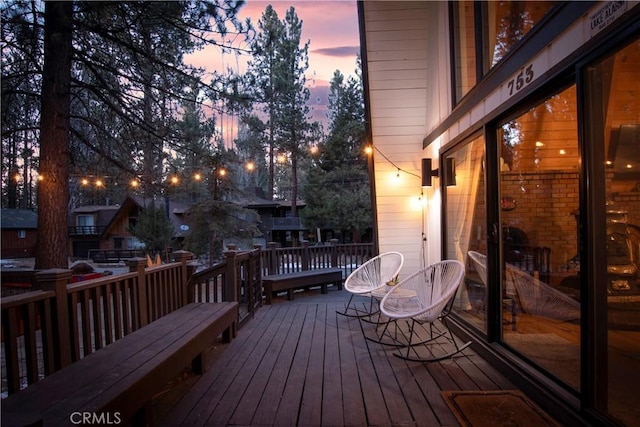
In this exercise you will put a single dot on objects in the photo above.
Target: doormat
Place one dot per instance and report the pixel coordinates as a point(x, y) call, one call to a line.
point(496, 408)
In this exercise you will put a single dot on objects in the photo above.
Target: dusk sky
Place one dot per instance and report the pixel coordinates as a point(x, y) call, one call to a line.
point(331, 26)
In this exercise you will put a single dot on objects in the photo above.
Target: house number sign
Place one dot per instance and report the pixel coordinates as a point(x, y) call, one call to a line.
point(520, 80)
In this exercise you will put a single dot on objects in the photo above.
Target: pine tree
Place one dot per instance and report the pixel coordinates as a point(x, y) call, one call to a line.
point(336, 190)
point(153, 229)
point(123, 58)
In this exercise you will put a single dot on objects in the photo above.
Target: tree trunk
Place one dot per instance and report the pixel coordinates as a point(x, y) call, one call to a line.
point(53, 187)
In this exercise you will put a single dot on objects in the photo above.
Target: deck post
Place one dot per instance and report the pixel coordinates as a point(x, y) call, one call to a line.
point(272, 256)
point(137, 265)
point(230, 291)
point(186, 270)
point(305, 255)
point(56, 280)
point(334, 252)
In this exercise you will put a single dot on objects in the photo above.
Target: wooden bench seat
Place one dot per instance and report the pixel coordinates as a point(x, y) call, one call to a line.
point(300, 280)
point(119, 381)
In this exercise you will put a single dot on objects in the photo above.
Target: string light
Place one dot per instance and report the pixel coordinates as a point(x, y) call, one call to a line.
point(173, 179)
point(373, 147)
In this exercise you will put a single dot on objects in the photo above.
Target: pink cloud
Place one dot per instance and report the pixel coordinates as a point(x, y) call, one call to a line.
point(331, 27)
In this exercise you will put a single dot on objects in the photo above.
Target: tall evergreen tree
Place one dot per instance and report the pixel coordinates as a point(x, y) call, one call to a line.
point(336, 190)
point(277, 73)
point(262, 72)
point(126, 57)
point(294, 131)
point(53, 190)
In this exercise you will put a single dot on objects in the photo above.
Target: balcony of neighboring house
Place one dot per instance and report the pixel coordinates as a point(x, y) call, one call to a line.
point(287, 223)
point(86, 230)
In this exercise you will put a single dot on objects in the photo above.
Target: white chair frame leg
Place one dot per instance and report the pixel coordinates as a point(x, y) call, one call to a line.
point(408, 351)
point(351, 311)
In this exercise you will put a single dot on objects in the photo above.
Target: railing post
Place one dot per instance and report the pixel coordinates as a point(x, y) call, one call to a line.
point(186, 271)
point(137, 265)
point(272, 257)
point(334, 252)
point(230, 292)
point(56, 280)
point(305, 255)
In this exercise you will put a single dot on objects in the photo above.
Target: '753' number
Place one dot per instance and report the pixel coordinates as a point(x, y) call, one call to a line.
point(523, 78)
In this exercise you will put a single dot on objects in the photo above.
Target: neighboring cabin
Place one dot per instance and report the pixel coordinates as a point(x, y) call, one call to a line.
point(19, 235)
point(106, 227)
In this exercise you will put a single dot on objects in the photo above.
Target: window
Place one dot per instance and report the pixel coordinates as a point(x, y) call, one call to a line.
point(539, 201)
point(466, 229)
point(484, 32)
point(613, 114)
point(134, 243)
point(464, 49)
point(507, 22)
point(22, 234)
point(85, 224)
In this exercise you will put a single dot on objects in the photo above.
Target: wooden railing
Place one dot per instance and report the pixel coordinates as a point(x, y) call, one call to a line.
point(236, 278)
point(114, 255)
point(277, 260)
point(60, 322)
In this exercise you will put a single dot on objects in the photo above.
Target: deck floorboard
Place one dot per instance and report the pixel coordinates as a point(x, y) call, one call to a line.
point(298, 363)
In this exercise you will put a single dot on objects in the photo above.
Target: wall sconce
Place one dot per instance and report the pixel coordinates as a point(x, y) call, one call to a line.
point(449, 172)
point(427, 173)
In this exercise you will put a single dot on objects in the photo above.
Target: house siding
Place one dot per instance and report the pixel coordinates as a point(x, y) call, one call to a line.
point(405, 105)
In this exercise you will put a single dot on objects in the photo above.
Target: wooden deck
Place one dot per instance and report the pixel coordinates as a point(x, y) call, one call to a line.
point(298, 363)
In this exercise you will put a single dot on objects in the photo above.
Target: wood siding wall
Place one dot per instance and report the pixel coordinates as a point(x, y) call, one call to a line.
point(15, 247)
point(408, 96)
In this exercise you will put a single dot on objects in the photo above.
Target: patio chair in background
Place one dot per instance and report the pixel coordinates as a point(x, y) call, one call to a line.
point(540, 299)
point(479, 261)
point(372, 275)
point(425, 297)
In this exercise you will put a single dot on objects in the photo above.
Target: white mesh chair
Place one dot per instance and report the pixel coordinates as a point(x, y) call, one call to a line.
point(479, 261)
point(539, 299)
point(425, 297)
point(373, 274)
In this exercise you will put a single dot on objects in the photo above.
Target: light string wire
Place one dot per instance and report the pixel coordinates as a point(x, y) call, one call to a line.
point(423, 236)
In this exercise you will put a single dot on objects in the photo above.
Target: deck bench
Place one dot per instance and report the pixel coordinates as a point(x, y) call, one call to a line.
point(301, 280)
point(116, 384)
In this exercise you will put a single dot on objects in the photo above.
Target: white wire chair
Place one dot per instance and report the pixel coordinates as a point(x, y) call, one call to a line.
point(480, 263)
point(540, 299)
point(425, 297)
point(370, 276)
